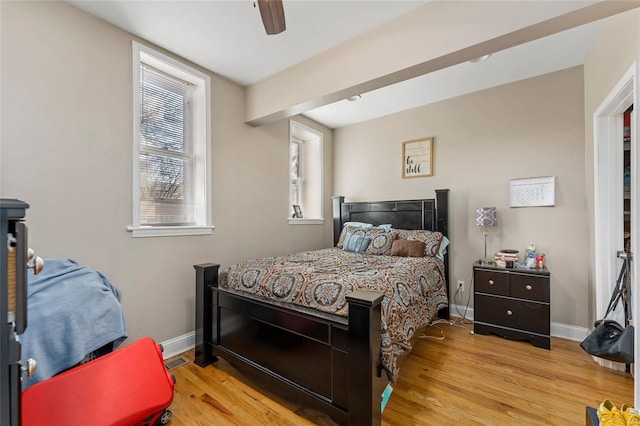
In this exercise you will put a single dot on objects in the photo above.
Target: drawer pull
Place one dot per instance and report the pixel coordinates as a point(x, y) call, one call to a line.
point(509, 313)
point(31, 367)
point(37, 264)
point(491, 282)
point(528, 287)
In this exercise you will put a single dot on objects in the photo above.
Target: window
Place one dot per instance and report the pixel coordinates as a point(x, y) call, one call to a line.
point(171, 134)
point(305, 175)
point(296, 177)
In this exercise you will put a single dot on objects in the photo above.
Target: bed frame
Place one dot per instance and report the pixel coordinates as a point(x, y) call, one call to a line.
point(319, 360)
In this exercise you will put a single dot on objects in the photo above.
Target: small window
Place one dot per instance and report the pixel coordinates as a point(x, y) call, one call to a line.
point(305, 175)
point(170, 146)
point(296, 176)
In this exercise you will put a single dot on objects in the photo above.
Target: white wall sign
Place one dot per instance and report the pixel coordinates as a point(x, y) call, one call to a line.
point(532, 192)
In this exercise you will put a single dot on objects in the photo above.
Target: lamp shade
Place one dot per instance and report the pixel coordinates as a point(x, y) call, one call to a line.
point(486, 216)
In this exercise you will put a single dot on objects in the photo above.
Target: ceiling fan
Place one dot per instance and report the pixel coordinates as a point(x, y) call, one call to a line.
point(272, 13)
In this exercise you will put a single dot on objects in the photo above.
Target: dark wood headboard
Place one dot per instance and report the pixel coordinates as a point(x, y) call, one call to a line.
point(430, 214)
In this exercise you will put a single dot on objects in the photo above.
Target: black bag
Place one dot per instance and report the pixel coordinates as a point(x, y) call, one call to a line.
point(609, 340)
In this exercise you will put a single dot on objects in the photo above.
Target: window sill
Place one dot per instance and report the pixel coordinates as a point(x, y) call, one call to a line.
point(296, 221)
point(168, 231)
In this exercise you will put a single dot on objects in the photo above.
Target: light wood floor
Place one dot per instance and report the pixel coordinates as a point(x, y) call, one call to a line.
point(462, 380)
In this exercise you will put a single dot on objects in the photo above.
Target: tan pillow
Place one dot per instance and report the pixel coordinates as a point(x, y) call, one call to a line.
point(407, 248)
point(431, 240)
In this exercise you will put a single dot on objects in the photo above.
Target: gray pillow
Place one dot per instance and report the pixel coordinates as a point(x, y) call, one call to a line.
point(356, 243)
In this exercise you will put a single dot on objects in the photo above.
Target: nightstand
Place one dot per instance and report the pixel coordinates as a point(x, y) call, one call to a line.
point(513, 303)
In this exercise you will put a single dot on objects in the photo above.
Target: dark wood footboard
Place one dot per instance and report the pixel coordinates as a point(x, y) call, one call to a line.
point(323, 361)
point(206, 276)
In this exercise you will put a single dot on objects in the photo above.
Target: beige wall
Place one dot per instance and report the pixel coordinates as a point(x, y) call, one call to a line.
point(66, 150)
point(524, 129)
point(613, 53)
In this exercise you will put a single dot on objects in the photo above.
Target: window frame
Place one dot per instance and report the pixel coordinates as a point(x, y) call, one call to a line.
point(303, 146)
point(201, 143)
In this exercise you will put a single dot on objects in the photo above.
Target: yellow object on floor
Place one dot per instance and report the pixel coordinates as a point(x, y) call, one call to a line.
point(610, 415)
point(631, 416)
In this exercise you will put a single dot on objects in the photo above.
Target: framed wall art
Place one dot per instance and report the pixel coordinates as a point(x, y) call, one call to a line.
point(417, 158)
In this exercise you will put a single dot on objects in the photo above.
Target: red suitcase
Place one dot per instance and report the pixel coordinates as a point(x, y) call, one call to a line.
point(130, 386)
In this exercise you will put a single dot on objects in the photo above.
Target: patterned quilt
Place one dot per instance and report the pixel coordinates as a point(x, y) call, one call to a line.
point(414, 289)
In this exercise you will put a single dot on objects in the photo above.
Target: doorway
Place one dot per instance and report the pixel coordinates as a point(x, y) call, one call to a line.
point(615, 202)
point(626, 179)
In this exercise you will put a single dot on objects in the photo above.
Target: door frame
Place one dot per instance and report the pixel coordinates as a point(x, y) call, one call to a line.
point(608, 191)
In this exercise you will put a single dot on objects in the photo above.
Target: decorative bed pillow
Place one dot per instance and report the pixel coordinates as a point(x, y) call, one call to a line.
point(430, 239)
point(343, 235)
point(356, 243)
point(350, 230)
point(407, 248)
point(442, 250)
point(362, 225)
point(381, 241)
point(381, 236)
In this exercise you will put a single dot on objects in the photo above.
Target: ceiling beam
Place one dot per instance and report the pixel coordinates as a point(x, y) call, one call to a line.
point(432, 37)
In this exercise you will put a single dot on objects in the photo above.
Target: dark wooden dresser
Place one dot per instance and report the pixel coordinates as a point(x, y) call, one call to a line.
point(15, 258)
point(13, 305)
point(513, 303)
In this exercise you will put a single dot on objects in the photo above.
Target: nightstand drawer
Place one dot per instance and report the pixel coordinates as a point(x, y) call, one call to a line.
point(530, 287)
point(492, 282)
point(517, 314)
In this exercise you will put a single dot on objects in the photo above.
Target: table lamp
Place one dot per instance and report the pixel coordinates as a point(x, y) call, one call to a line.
point(485, 217)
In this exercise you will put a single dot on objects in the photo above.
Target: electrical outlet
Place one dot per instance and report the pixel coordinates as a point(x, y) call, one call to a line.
point(461, 285)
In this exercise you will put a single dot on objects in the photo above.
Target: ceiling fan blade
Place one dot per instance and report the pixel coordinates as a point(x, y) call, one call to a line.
point(272, 13)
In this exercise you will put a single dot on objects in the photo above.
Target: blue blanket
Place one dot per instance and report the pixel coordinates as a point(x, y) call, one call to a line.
point(72, 310)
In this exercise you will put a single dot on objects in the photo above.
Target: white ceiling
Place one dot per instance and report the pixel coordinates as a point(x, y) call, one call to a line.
point(228, 38)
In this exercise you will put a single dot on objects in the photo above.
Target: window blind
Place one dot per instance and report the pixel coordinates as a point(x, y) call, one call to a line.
point(166, 149)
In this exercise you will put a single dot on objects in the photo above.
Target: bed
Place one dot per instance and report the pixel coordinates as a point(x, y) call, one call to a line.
point(275, 342)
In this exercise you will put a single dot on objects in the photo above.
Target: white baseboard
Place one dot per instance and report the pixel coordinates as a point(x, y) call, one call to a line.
point(460, 311)
point(564, 331)
point(569, 332)
point(178, 345)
